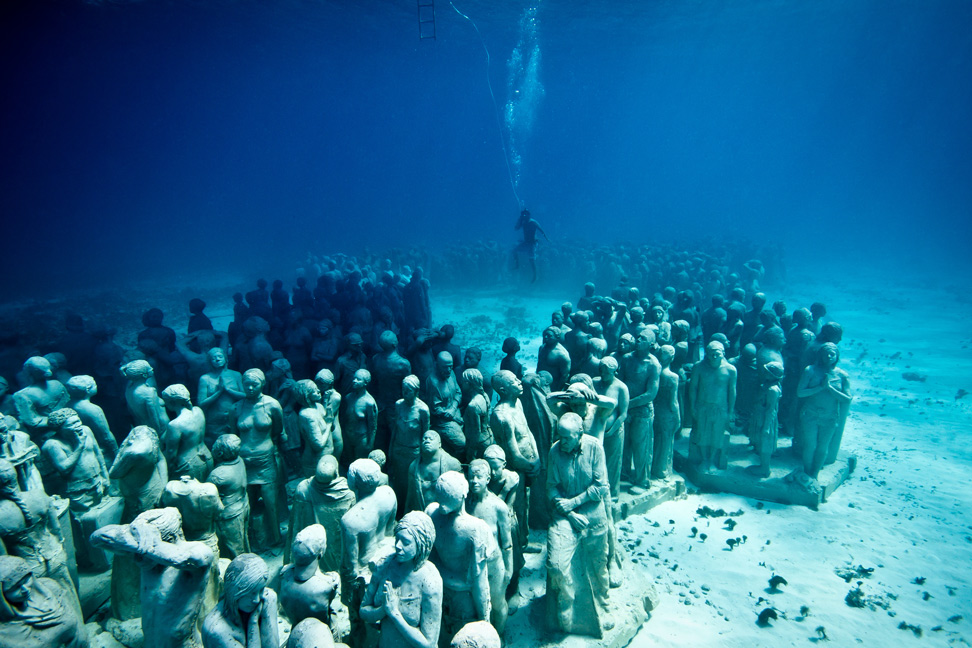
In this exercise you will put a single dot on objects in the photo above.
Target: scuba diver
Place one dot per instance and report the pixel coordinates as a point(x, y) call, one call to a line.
point(530, 243)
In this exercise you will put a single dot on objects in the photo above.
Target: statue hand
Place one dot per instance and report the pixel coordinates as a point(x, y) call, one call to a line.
point(562, 506)
point(146, 535)
point(391, 599)
point(577, 521)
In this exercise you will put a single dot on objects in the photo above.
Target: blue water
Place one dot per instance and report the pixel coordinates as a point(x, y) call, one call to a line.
point(167, 136)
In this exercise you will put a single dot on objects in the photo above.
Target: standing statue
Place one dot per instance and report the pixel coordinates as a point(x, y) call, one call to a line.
point(389, 368)
point(76, 458)
point(229, 477)
point(143, 400)
point(577, 487)
point(331, 399)
point(425, 471)
point(246, 616)
point(443, 397)
point(322, 499)
point(611, 421)
point(763, 420)
point(360, 416)
point(81, 389)
point(367, 527)
point(219, 391)
point(259, 424)
point(713, 398)
point(460, 553)
point(175, 574)
point(489, 508)
point(825, 399)
point(36, 611)
point(509, 425)
point(315, 432)
point(17, 448)
point(640, 371)
point(405, 594)
point(42, 395)
point(200, 507)
point(476, 415)
point(411, 422)
point(553, 358)
point(668, 418)
point(183, 439)
point(306, 591)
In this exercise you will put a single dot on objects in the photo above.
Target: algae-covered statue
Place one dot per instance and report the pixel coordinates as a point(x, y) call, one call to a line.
point(405, 594)
point(553, 358)
point(763, 422)
point(182, 440)
point(322, 499)
point(246, 616)
point(668, 418)
point(476, 415)
point(174, 574)
point(611, 421)
point(425, 471)
point(81, 389)
point(306, 591)
point(76, 458)
point(713, 390)
point(489, 508)
point(460, 554)
point(640, 371)
point(478, 634)
point(315, 430)
point(39, 398)
point(360, 416)
point(825, 399)
point(444, 396)
point(219, 391)
point(578, 538)
point(36, 612)
point(411, 422)
point(229, 477)
point(143, 400)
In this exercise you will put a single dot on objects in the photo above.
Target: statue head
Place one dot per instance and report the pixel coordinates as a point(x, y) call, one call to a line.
point(510, 345)
point(253, 382)
point(308, 393)
point(281, 368)
point(361, 379)
point(557, 319)
point(607, 368)
point(414, 537)
point(310, 543)
point(310, 633)
point(196, 306)
point(818, 310)
point(226, 448)
point(774, 338)
point(551, 336)
point(450, 491)
point(831, 332)
point(715, 353)
point(176, 396)
point(378, 456)
point(38, 368)
point(325, 380)
point(152, 318)
point(243, 585)
point(411, 386)
point(758, 301)
point(16, 581)
point(828, 355)
point(138, 370)
point(354, 342)
point(216, 357)
point(495, 456)
point(570, 427)
point(388, 341)
point(64, 418)
point(431, 442)
point(472, 357)
point(167, 520)
point(81, 387)
point(666, 353)
point(476, 634)
point(443, 365)
point(506, 384)
point(364, 476)
point(773, 371)
point(645, 341)
point(472, 380)
point(327, 469)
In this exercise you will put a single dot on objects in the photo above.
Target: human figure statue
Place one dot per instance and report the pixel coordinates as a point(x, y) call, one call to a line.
point(229, 477)
point(331, 400)
point(360, 416)
point(199, 320)
point(611, 421)
point(542, 422)
point(143, 400)
point(36, 611)
point(77, 460)
point(183, 439)
point(763, 424)
point(472, 359)
point(578, 489)
point(510, 428)
point(219, 391)
point(175, 574)
point(460, 553)
point(315, 431)
point(259, 424)
point(444, 396)
point(511, 346)
point(17, 448)
point(507, 485)
point(253, 349)
point(425, 471)
point(246, 616)
point(200, 506)
point(80, 390)
point(322, 499)
point(553, 358)
point(713, 398)
point(42, 395)
point(410, 423)
point(476, 415)
point(306, 591)
point(405, 594)
point(668, 418)
point(492, 510)
point(825, 399)
point(29, 529)
point(528, 246)
point(349, 362)
point(771, 347)
point(641, 372)
point(388, 368)
point(310, 633)
point(367, 530)
point(141, 472)
point(415, 302)
point(747, 385)
point(478, 634)
point(324, 349)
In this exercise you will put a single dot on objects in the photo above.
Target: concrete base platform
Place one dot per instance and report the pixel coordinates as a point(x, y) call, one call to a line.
point(662, 490)
point(787, 483)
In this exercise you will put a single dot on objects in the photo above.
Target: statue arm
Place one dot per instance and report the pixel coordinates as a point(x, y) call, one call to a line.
point(26, 413)
point(480, 588)
point(505, 529)
point(268, 620)
point(621, 413)
point(371, 421)
point(62, 461)
point(170, 444)
point(208, 394)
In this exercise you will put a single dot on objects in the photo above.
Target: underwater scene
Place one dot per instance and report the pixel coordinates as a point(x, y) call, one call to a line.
point(470, 323)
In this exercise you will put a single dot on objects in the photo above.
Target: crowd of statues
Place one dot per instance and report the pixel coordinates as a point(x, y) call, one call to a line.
point(415, 476)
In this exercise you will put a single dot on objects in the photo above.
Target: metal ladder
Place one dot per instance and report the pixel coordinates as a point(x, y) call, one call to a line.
point(426, 19)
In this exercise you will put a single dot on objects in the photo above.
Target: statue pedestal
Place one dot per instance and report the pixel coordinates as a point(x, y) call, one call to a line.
point(662, 490)
point(787, 484)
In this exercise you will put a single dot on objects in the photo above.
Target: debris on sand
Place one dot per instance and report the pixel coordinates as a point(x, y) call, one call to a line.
point(916, 630)
point(854, 573)
point(914, 376)
point(776, 581)
point(961, 394)
point(764, 618)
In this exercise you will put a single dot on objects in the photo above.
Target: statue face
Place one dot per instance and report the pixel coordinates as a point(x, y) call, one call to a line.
point(642, 344)
point(21, 591)
point(250, 600)
point(73, 424)
point(252, 386)
point(217, 359)
point(442, 367)
point(358, 382)
point(431, 442)
point(409, 392)
point(314, 394)
point(302, 553)
point(513, 388)
point(549, 338)
point(40, 369)
point(496, 466)
point(405, 548)
point(714, 355)
point(471, 360)
point(479, 479)
point(557, 319)
point(569, 437)
point(607, 371)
